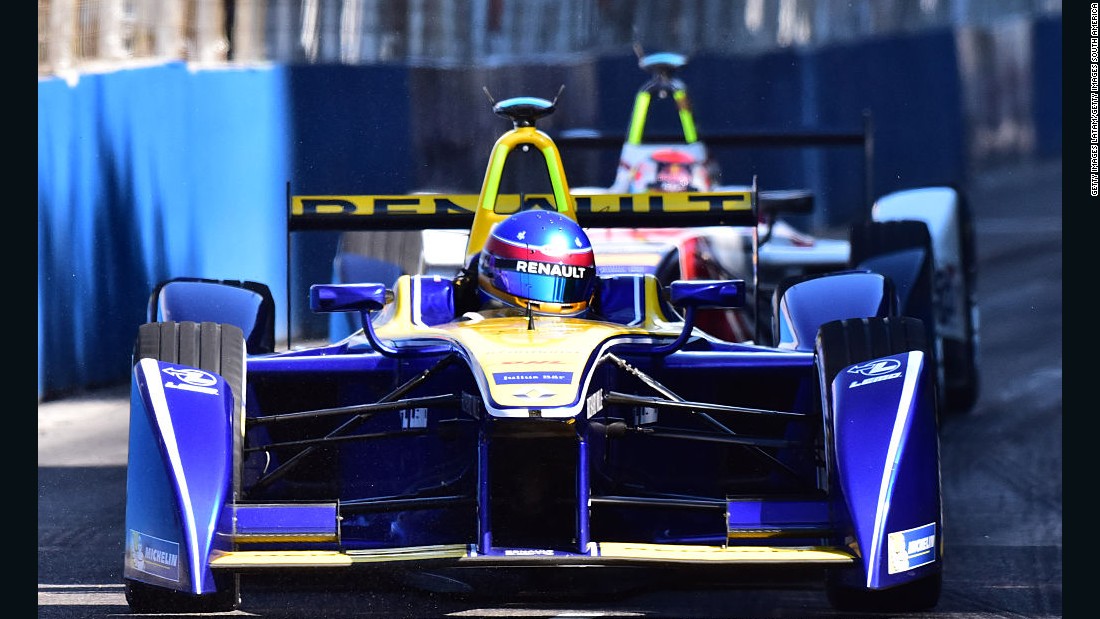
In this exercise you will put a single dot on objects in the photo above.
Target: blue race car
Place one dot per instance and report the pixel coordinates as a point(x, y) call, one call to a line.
point(531, 413)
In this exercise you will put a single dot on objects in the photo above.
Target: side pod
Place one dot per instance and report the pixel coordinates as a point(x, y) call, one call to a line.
point(179, 474)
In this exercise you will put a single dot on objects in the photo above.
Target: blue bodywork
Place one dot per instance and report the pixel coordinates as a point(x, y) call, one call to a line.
point(888, 467)
point(431, 468)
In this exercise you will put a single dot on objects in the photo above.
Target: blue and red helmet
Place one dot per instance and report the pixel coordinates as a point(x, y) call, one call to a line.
point(541, 259)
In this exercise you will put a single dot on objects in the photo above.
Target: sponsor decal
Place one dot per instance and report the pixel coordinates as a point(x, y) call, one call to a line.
point(645, 414)
point(383, 205)
point(624, 270)
point(513, 378)
point(546, 268)
point(594, 403)
point(911, 548)
point(533, 393)
point(155, 556)
point(415, 418)
point(191, 379)
point(876, 368)
point(875, 371)
point(528, 552)
point(664, 203)
point(405, 205)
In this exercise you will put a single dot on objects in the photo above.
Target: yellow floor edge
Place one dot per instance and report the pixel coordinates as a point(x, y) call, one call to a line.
point(723, 554)
point(597, 551)
point(334, 558)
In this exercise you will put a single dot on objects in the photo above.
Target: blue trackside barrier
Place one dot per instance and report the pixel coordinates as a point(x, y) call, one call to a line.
point(1047, 87)
point(158, 172)
point(146, 174)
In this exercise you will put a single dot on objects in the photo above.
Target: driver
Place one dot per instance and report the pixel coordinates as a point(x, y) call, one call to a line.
point(674, 171)
point(537, 259)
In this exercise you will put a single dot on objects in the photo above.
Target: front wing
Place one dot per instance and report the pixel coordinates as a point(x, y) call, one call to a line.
point(184, 521)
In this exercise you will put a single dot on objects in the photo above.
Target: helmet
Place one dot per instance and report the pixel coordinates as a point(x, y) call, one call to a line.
point(541, 259)
point(675, 171)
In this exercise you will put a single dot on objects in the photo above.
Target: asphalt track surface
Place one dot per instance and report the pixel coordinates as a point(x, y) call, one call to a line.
point(1001, 468)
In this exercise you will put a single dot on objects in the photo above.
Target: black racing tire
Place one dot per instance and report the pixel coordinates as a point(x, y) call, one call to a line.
point(218, 348)
point(915, 596)
point(144, 599)
point(961, 358)
point(870, 240)
point(839, 344)
point(209, 346)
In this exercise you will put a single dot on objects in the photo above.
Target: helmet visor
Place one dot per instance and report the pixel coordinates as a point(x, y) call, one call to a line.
point(548, 282)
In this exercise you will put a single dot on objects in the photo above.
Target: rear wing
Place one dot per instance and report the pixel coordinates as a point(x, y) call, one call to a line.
point(422, 211)
point(440, 211)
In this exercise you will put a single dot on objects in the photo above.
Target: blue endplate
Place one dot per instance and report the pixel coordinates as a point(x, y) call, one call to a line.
point(285, 522)
point(887, 455)
point(179, 474)
point(746, 517)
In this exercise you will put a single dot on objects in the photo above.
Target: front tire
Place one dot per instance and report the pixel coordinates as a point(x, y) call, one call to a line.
point(918, 595)
point(888, 247)
point(143, 598)
point(961, 358)
point(846, 342)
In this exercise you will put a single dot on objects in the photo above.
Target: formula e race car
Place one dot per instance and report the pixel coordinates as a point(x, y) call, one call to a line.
point(927, 229)
point(530, 414)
